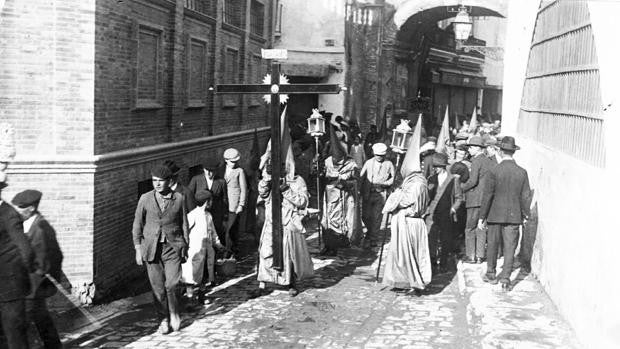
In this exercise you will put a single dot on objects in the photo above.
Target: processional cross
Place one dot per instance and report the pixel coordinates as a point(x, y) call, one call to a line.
point(275, 88)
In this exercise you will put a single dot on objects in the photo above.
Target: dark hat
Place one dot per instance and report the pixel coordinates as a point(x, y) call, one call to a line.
point(211, 164)
point(172, 166)
point(202, 196)
point(440, 160)
point(508, 143)
point(27, 198)
point(161, 171)
point(476, 141)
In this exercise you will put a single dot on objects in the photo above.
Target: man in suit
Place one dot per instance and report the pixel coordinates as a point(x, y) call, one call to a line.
point(237, 188)
point(504, 207)
point(161, 239)
point(177, 186)
point(15, 264)
point(475, 238)
point(217, 186)
point(446, 197)
point(47, 261)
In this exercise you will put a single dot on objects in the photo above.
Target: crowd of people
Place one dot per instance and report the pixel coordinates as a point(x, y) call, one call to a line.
point(460, 199)
point(464, 198)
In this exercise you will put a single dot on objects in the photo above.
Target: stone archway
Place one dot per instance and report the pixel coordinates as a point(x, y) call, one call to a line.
point(407, 8)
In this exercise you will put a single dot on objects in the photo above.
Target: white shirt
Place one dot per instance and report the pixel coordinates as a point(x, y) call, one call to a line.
point(28, 222)
point(209, 181)
point(441, 177)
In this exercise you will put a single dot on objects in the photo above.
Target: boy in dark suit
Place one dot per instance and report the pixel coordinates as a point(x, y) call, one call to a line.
point(47, 261)
point(504, 207)
point(15, 263)
point(161, 239)
point(217, 186)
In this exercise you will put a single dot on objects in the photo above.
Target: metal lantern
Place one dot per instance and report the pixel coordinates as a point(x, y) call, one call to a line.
point(316, 124)
point(462, 25)
point(401, 136)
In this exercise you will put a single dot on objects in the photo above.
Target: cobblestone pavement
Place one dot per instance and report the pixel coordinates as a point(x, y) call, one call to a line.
point(343, 307)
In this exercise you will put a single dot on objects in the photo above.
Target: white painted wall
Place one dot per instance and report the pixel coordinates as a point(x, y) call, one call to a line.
point(578, 237)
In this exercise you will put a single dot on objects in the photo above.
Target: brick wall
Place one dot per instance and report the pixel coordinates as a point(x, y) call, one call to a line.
point(46, 84)
point(118, 124)
point(116, 197)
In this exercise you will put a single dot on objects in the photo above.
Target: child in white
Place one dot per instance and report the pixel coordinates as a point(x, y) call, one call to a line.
point(202, 239)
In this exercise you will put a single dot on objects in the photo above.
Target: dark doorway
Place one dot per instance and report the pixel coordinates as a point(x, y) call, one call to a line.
point(300, 106)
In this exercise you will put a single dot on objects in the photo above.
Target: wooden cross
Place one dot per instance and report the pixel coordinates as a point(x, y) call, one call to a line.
point(275, 89)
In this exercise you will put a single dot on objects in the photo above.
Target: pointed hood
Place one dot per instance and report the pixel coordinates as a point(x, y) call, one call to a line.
point(382, 130)
point(473, 124)
point(287, 148)
point(411, 162)
point(254, 159)
point(444, 134)
point(336, 149)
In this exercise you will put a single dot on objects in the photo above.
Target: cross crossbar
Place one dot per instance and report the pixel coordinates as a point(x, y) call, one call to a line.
point(285, 89)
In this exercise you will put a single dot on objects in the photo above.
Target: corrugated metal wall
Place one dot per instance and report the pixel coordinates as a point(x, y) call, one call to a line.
point(561, 105)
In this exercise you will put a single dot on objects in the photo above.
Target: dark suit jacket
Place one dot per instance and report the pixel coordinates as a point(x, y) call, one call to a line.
point(442, 198)
point(480, 167)
point(47, 258)
point(219, 207)
point(506, 196)
point(150, 222)
point(190, 202)
point(15, 256)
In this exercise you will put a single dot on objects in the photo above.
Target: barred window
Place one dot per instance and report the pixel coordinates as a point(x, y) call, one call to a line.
point(231, 75)
point(148, 67)
point(561, 105)
point(197, 63)
point(234, 12)
point(257, 18)
point(206, 7)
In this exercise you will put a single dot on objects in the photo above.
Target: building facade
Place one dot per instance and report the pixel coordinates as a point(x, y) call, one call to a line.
point(99, 91)
point(313, 34)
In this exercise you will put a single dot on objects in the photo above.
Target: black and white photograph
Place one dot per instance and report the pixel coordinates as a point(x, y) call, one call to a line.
point(309, 174)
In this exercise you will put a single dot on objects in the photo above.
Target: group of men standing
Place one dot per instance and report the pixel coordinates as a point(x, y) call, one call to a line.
point(30, 264)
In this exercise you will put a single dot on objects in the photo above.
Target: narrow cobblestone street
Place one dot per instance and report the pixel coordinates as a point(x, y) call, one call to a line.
point(343, 307)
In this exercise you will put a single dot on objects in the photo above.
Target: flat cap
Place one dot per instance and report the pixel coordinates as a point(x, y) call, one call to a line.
point(172, 166)
point(379, 149)
point(161, 171)
point(232, 154)
point(202, 196)
point(27, 198)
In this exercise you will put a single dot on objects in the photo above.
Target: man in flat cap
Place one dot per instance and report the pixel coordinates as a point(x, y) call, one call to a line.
point(161, 239)
point(47, 261)
point(377, 178)
point(178, 187)
point(475, 238)
point(504, 207)
point(237, 188)
point(446, 197)
point(211, 181)
point(16, 261)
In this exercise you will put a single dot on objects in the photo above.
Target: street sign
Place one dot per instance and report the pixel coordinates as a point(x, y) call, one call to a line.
point(274, 53)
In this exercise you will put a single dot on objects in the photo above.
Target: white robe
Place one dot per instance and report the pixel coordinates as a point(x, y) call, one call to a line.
point(408, 263)
point(296, 258)
point(202, 238)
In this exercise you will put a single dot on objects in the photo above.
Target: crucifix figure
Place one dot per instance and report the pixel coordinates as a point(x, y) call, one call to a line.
point(275, 89)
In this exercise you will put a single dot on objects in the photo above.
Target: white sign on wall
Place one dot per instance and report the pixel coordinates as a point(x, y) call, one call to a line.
point(274, 53)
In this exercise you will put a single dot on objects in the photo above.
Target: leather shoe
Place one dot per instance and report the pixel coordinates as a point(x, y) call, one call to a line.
point(490, 278)
point(164, 327)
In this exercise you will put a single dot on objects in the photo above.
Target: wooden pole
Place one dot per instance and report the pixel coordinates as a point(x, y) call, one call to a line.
point(276, 166)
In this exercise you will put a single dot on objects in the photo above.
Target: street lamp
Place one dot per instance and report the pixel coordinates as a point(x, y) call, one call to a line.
point(401, 136)
point(462, 24)
point(316, 128)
